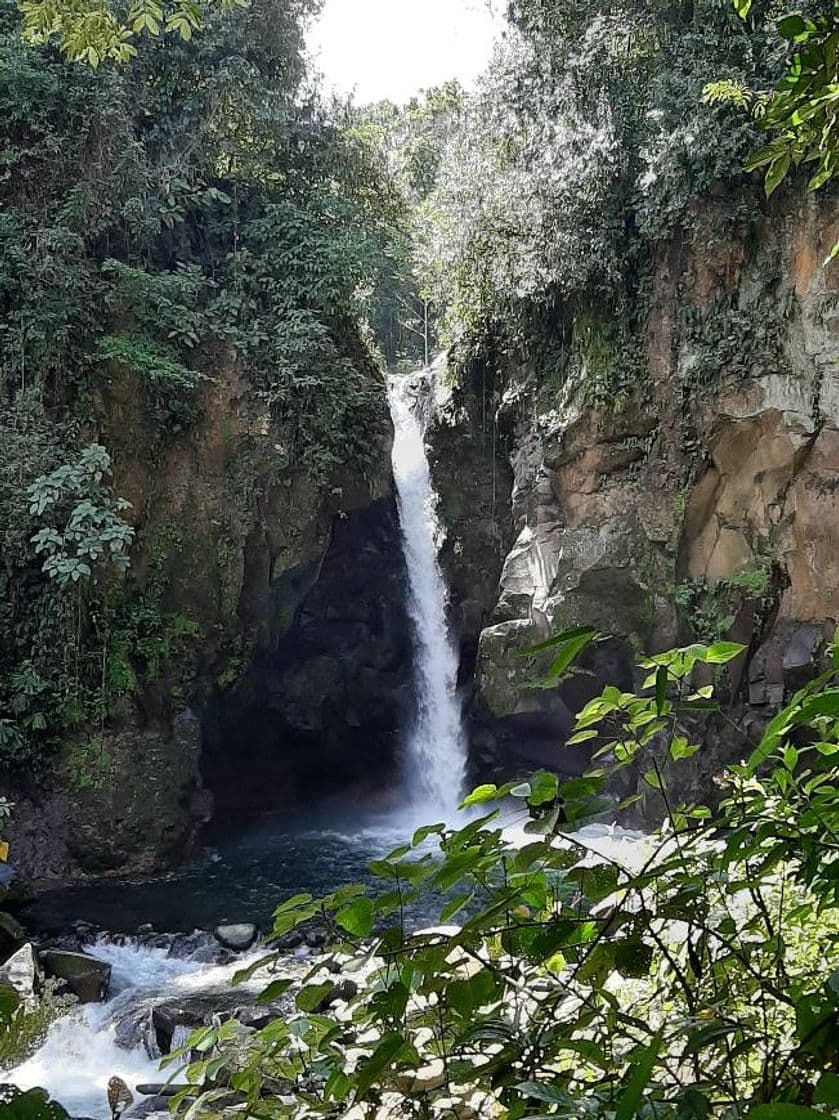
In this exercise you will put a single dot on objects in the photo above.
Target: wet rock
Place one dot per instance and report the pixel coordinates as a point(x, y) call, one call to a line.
point(238, 937)
point(86, 977)
point(316, 936)
point(167, 1019)
point(86, 932)
point(424, 1080)
point(341, 992)
point(135, 1029)
point(259, 1017)
point(12, 933)
point(161, 1089)
point(197, 946)
point(173, 1022)
point(150, 1106)
point(291, 940)
point(21, 971)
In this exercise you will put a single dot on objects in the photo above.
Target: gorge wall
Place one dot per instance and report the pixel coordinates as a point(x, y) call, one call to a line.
point(269, 601)
point(270, 614)
point(704, 504)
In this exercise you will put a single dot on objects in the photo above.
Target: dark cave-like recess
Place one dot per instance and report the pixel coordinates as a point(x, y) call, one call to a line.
point(320, 711)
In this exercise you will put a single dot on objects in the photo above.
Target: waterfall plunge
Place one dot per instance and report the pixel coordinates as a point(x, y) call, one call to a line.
point(436, 749)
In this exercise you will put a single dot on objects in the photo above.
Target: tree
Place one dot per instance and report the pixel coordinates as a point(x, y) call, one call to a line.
point(94, 30)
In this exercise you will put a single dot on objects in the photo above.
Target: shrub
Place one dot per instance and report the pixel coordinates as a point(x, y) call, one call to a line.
point(701, 981)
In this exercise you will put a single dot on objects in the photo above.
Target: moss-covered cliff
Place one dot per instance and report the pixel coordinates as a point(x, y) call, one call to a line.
point(189, 421)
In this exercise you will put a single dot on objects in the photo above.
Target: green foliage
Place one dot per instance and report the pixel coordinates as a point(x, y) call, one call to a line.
point(23, 1028)
point(143, 641)
point(699, 979)
point(408, 143)
point(84, 527)
point(712, 608)
point(90, 31)
point(798, 112)
point(193, 215)
point(524, 242)
point(88, 765)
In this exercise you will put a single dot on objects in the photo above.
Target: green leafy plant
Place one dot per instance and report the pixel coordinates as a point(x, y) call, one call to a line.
point(88, 764)
point(712, 608)
point(799, 112)
point(87, 528)
point(91, 32)
point(699, 979)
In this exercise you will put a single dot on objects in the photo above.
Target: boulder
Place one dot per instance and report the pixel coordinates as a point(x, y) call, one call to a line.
point(161, 1089)
point(148, 1106)
point(197, 946)
point(342, 992)
point(12, 933)
point(423, 1080)
point(21, 971)
point(86, 977)
point(172, 1022)
point(238, 937)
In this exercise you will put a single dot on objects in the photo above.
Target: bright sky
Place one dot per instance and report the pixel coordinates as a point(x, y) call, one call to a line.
point(394, 48)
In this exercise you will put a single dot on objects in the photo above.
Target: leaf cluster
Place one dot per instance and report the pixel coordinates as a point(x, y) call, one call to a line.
point(699, 978)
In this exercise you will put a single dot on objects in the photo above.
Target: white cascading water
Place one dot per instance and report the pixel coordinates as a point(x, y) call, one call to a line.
point(435, 747)
point(82, 1051)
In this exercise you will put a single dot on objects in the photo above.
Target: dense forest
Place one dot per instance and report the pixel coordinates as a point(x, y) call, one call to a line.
point(621, 239)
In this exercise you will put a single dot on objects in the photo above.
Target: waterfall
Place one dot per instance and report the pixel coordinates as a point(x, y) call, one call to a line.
point(435, 746)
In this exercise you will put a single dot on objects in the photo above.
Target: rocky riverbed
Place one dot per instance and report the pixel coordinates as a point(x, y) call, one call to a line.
point(128, 1002)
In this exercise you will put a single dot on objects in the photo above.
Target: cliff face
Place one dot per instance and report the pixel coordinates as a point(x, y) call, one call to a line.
point(704, 505)
point(238, 558)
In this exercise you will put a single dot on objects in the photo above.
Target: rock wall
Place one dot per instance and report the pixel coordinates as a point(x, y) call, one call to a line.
point(231, 543)
point(705, 505)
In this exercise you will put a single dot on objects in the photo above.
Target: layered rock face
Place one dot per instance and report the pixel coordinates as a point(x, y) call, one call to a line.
point(704, 505)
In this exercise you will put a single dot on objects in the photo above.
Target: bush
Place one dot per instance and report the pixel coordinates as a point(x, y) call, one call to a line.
point(702, 981)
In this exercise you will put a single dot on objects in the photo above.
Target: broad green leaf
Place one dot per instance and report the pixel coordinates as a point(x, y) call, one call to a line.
point(653, 780)
point(792, 27)
point(246, 973)
point(569, 651)
point(274, 990)
point(660, 689)
point(312, 995)
point(641, 1071)
point(776, 173)
point(480, 796)
point(357, 918)
point(827, 1090)
point(544, 1091)
point(385, 1053)
point(681, 748)
point(422, 834)
point(722, 652)
point(581, 737)
point(455, 905)
point(561, 639)
point(544, 787)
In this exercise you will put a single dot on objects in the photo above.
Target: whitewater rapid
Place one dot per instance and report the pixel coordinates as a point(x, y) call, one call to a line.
point(80, 1052)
